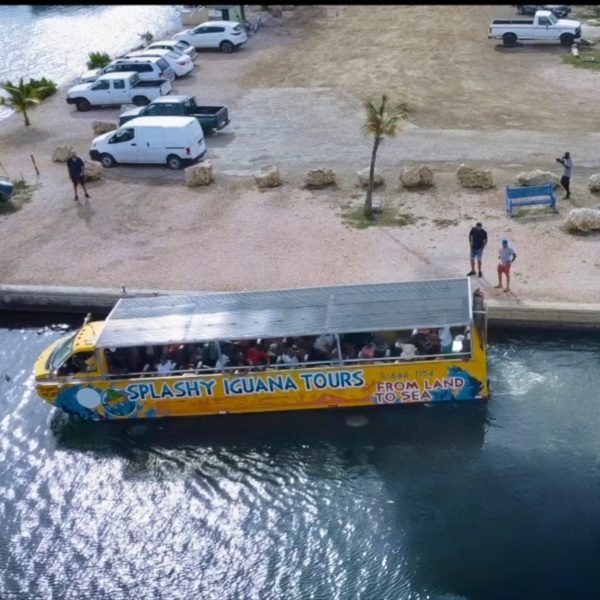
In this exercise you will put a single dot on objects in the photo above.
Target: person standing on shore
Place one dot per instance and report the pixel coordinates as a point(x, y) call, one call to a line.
point(477, 241)
point(507, 257)
point(77, 173)
point(565, 180)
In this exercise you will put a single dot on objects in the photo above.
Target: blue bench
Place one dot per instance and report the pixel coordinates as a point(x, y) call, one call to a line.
point(530, 196)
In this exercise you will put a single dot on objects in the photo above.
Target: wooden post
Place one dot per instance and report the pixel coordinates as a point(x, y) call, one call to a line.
point(37, 171)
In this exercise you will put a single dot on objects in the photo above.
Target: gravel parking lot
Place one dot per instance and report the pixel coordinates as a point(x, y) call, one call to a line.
point(294, 94)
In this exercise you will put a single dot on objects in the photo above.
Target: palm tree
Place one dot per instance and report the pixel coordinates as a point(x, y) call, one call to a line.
point(380, 123)
point(21, 97)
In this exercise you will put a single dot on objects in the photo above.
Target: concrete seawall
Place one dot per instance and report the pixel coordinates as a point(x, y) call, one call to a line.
point(507, 313)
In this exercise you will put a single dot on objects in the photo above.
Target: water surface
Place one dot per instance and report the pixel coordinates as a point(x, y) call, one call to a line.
point(496, 501)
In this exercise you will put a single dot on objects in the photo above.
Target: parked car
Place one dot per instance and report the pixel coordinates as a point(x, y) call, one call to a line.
point(172, 141)
point(544, 27)
point(6, 190)
point(209, 117)
point(180, 45)
point(149, 69)
point(558, 10)
point(116, 88)
point(226, 35)
point(181, 64)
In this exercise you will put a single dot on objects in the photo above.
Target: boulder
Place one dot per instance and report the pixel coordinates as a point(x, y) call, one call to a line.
point(363, 178)
point(594, 182)
point(268, 177)
point(415, 177)
point(101, 127)
point(62, 153)
point(474, 178)
point(583, 219)
point(319, 178)
point(200, 174)
point(93, 170)
point(275, 10)
point(537, 177)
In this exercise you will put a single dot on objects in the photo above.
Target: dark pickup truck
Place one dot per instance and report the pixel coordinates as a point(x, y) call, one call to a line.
point(210, 117)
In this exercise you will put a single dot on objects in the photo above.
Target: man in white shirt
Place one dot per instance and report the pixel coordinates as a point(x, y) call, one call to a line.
point(506, 257)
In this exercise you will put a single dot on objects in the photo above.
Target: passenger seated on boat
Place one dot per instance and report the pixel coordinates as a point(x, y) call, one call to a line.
point(323, 346)
point(289, 357)
point(166, 366)
point(115, 362)
point(367, 351)
point(210, 354)
point(349, 351)
point(258, 355)
point(79, 363)
point(445, 337)
point(426, 341)
point(382, 347)
point(133, 359)
point(408, 352)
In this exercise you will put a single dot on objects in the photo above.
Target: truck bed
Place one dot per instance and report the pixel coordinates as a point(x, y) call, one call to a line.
point(512, 22)
point(141, 84)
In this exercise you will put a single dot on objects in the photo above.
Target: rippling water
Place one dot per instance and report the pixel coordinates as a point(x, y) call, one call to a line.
point(54, 41)
point(442, 503)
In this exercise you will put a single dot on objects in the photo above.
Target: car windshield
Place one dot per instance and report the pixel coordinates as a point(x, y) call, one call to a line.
point(182, 44)
point(237, 28)
point(553, 19)
point(61, 353)
point(173, 54)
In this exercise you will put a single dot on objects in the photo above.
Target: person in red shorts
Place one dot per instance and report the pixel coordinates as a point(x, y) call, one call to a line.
point(507, 257)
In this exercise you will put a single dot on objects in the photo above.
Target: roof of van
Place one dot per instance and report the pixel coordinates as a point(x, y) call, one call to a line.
point(191, 318)
point(162, 121)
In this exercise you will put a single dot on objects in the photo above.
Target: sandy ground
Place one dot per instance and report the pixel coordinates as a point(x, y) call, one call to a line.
point(294, 93)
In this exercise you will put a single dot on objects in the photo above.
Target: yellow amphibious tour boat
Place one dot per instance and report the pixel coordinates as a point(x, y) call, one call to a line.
point(326, 347)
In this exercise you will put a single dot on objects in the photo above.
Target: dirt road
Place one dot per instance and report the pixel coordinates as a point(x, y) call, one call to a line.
point(295, 94)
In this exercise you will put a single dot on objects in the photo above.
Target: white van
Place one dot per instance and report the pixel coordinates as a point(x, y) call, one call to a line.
point(173, 141)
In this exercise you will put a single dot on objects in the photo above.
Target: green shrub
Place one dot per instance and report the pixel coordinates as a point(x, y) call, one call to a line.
point(44, 87)
point(98, 60)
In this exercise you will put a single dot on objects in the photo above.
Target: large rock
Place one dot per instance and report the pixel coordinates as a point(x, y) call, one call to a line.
point(363, 178)
point(93, 170)
point(319, 178)
point(200, 174)
point(583, 219)
point(474, 178)
point(268, 177)
point(62, 153)
point(537, 177)
point(594, 182)
point(101, 127)
point(415, 177)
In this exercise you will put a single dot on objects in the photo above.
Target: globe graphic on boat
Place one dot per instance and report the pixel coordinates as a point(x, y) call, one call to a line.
point(116, 403)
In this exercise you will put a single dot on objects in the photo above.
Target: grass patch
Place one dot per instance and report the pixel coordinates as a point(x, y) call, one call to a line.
point(588, 59)
point(442, 223)
point(22, 193)
point(386, 218)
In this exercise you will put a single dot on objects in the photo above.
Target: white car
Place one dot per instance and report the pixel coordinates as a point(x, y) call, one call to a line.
point(181, 64)
point(226, 35)
point(181, 45)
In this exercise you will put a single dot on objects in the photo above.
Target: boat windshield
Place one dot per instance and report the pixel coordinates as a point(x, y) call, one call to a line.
point(62, 352)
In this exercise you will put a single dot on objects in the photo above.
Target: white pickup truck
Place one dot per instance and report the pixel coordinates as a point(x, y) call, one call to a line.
point(117, 88)
point(543, 27)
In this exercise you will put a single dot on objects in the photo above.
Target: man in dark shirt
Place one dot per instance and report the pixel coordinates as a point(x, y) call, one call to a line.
point(477, 241)
point(76, 173)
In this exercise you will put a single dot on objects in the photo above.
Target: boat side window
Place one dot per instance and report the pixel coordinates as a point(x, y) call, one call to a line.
point(80, 362)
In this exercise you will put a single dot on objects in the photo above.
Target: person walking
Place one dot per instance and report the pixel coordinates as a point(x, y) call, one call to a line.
point(565, 180)
point(477, 241)
point(507, 257)
point(77, 173)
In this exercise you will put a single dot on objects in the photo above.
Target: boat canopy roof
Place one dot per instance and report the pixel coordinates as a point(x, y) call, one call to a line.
point(202, 317)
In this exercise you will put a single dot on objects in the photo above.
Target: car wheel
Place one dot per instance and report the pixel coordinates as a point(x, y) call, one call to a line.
point(227, 47)
point(107, 161)
point(82, 104)
point(509, 39)
point(566, 39)
point(141, 101)
point(174, 162)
